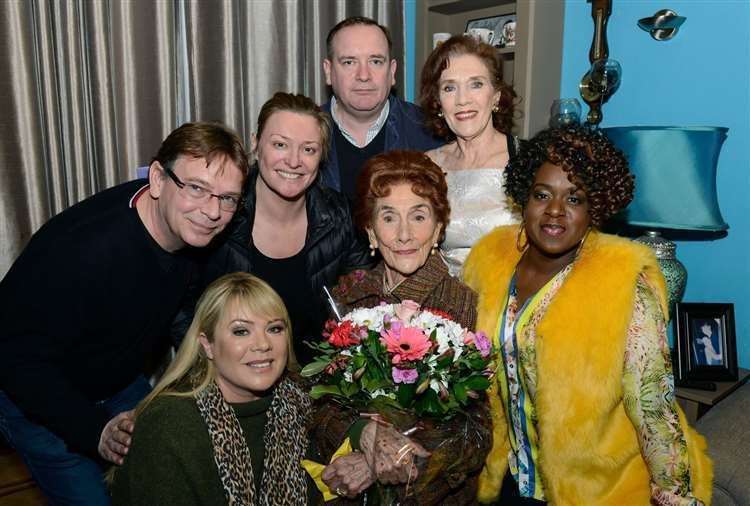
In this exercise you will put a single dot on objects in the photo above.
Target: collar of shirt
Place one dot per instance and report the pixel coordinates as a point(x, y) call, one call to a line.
point(371, 132)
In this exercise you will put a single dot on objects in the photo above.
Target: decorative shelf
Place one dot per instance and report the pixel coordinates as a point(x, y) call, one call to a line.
point(458, 6)
point(532, 66)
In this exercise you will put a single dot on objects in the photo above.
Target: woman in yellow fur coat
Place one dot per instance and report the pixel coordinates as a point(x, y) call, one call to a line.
point(583, 403)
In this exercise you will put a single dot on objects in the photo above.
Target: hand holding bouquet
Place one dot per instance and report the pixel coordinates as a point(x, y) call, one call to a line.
point(411, 369)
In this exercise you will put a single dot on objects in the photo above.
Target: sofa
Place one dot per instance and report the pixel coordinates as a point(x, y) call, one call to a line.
point(726, 427)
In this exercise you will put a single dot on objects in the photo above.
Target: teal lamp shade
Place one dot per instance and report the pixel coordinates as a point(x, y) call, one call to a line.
point(675, 176)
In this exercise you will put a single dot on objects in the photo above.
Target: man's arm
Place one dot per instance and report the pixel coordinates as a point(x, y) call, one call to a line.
point(45, 396)
point(40, 310)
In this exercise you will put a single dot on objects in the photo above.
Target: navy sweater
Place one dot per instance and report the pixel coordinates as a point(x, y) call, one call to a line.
point(80, 310)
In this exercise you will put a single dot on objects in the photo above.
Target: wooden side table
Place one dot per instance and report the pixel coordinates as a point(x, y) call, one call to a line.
point(695, 403)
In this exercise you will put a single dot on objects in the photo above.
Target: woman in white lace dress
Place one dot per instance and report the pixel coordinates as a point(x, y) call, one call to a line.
point(466, 101)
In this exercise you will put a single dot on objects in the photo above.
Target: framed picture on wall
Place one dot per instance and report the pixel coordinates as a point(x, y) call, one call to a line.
point(499, 31)
point(706, 348)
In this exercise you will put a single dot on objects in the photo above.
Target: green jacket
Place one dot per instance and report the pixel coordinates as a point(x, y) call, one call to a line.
point(171, 459)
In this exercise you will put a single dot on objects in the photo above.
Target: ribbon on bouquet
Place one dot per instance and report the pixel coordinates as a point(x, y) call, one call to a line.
point(315, 470)
point(332, 303)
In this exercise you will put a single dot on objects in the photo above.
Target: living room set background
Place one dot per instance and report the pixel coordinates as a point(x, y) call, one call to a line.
point(90, 88)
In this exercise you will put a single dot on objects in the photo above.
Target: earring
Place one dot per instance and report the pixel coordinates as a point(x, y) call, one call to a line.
point(434, 249)
point(496, 108)
point(580, 245)
point(372, 249)
point(522, 236)
point(440, 114)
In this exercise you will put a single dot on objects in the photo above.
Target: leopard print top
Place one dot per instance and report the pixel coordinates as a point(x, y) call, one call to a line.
point(286, 441)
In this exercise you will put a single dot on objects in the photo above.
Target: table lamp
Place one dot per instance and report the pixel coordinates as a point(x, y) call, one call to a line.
point(675, 188)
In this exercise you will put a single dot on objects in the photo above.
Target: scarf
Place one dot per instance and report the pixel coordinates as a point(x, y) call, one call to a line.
point(285, 439)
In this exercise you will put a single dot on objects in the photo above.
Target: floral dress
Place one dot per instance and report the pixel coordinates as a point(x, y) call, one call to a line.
point(648, 392)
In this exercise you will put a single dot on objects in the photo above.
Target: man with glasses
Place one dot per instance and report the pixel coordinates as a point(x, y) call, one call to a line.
point(92, 297)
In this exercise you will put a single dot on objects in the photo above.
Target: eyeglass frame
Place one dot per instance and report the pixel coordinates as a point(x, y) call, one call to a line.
point(221, 198)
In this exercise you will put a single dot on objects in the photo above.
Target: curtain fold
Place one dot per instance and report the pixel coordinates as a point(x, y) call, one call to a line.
point(90, 88)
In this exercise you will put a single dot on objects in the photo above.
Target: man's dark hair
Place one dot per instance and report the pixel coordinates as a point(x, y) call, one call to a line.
point(203, 140)
point(353, 21)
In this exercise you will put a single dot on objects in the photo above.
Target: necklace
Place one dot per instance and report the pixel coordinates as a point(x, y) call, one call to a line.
point(386, 289)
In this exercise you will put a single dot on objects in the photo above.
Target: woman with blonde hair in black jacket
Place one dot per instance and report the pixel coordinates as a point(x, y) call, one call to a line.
point(293, 233)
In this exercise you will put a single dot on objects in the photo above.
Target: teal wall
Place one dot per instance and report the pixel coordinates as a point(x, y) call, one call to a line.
point(410, 36)
point(701, 77)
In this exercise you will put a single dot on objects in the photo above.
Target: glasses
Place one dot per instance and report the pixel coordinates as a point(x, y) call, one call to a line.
point(197, 193)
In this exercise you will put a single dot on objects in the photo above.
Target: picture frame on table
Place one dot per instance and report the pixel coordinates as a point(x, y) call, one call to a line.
point(705, 342)
point(503, 28)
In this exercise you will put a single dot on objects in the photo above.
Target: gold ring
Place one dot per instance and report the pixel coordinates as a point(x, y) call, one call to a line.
point(339, 491)
point(403, 452)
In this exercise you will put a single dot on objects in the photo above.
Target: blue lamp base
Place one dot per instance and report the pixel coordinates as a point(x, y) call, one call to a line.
point(674, 272)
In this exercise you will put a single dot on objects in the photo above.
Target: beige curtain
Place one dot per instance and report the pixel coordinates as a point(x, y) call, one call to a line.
point(79, 108)
point(242, 52)
point(89, 88)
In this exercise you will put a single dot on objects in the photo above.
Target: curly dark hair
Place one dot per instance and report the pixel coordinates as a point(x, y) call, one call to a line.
point(385, 170)
point(438, 61)
point(591, 161)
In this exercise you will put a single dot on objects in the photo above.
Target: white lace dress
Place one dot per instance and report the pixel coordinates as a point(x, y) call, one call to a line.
point(478, 204)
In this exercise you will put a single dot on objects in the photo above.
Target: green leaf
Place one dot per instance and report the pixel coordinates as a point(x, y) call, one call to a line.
point(459, 390)
point(478, 363)
point(319, 391)
point(315, 367)
point(451, 404)
point(372, 384)
point(349, 389)
point(405, 394)
point(359, 361)
point(428, 403)
point(445, 362)
point(477, 383)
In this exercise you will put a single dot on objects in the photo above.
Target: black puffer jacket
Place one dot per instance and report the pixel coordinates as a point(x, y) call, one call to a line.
point(332, 247)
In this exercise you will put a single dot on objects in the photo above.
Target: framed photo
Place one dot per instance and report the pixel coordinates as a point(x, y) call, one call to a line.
point(705, 343)
point(502, 29)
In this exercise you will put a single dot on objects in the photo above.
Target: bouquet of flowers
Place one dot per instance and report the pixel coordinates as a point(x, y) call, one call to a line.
point(398, 354)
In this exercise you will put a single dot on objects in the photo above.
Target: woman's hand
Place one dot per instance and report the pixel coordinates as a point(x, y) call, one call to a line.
point(389, 453)
point(348, 475)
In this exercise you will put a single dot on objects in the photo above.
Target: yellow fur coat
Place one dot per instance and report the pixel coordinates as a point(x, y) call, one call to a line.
point(588, 448)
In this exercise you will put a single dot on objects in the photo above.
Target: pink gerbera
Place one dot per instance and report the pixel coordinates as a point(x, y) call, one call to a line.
point(405, 343)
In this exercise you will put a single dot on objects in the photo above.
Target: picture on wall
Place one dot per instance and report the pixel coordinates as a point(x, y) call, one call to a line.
point(705, 342)
point(499, 31)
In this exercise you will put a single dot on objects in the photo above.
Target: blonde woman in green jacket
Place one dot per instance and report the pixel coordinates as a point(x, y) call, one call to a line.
point(226, 424)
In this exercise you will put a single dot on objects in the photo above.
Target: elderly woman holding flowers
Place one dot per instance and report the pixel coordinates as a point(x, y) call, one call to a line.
point(423, 318)
point(403, 208)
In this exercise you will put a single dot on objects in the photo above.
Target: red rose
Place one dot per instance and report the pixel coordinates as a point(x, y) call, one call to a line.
point(439, 312)
point(344, 335)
